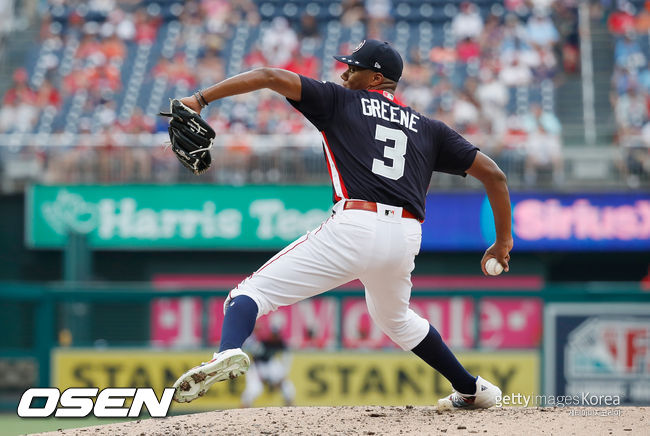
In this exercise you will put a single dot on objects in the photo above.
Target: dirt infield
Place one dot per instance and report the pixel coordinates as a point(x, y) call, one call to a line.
point(375, 420)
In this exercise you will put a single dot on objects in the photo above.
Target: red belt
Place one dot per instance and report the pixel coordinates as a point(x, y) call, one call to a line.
point(372, 207)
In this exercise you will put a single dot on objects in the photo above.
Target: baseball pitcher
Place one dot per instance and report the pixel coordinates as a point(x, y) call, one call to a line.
point(380, 154)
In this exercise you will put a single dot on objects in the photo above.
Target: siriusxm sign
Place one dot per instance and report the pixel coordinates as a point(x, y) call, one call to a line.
point(563, 222)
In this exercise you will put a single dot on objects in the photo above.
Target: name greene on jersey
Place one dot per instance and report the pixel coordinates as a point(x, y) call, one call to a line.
point(382, 109)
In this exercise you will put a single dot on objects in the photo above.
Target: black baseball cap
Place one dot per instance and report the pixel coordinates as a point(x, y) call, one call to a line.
point(377, 56)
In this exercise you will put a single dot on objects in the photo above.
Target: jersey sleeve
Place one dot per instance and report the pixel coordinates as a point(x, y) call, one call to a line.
point(455, 153)
point(318, 101)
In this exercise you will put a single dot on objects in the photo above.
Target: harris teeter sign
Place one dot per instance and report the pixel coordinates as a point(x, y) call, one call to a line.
point(177, 216)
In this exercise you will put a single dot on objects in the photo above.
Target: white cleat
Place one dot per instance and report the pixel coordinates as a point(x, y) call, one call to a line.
point(485, 397)
point(224, 366)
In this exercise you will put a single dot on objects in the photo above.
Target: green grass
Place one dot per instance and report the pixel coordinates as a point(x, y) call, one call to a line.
point(12, 424)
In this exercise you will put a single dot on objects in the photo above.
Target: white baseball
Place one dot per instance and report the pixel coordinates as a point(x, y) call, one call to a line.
point(493, 267)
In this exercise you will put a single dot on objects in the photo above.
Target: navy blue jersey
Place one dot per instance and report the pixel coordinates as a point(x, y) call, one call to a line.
point(378, 149)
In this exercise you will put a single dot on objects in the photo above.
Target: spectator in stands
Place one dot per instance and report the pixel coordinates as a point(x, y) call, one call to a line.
point(516, 53)
point(379, 17)
point(123, 23)
point(467, 50)
point(352, 12)
point(309, 31)
point(510, 151)
point(633, 135)
point(515, 74)
point(90, 49)
point(279, 42)
point(19, 110)
point(467, 23)
point(243, 11)
point(622, 79)
point(444, 96)
point(465, 113)
point(255, 57)
point(180, 73)
point(631, 113)
point(543, 147)
point(566, 14)
point(210, 68)
point(540, 29)
point(518, 6)
point(642, 24)
point(216, 13)
point(146, 27)
point(545, 64)
point(416, 84)
point(48, 95)
point(114, 48)
point(103, 79)
point(492, 95)
point(622, 20)
point(544, 5)
point(237, 156)
point(105, 114)
point(644, 78)
point(628, 53)
point(513, 33)
point(632, 122)
point(491, 36)
point(638, 158)
point(6, 24)
point(303, 62)
point(138, 122)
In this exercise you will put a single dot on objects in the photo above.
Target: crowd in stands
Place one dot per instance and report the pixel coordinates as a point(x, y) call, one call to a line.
point(492, 78)
point(630, 90)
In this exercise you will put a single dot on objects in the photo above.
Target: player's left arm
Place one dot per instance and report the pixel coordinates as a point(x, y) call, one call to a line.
point(494, 180)
point(284, 82)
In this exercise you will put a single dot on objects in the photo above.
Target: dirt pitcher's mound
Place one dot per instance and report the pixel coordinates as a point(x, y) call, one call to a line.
point(375, 420)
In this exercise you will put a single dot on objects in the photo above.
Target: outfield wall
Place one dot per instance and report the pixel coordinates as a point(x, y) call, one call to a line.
point(580, 349)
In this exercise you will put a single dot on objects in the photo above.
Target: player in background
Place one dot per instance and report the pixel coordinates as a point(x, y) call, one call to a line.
point(380, 155)
point(270, 366)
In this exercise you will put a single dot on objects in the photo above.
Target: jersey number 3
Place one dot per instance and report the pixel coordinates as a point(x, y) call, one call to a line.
point(395, 153)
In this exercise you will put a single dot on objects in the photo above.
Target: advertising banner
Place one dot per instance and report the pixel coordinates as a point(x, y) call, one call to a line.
point(541, 221)
point(153, 368)
point(511, 322)
point(452, 317)
point(598, 350)
point(506, 323)
point(177, 322)
point(270, 217)
point(320, 378)
point(176, 216)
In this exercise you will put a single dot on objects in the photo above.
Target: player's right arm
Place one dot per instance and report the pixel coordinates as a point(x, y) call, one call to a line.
point(281, 81)
point(494, 180)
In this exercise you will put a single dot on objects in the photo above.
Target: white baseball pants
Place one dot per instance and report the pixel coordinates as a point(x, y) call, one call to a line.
point(378, 248)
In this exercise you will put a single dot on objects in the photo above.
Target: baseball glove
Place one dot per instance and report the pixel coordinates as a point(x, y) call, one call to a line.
point(191, 137)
